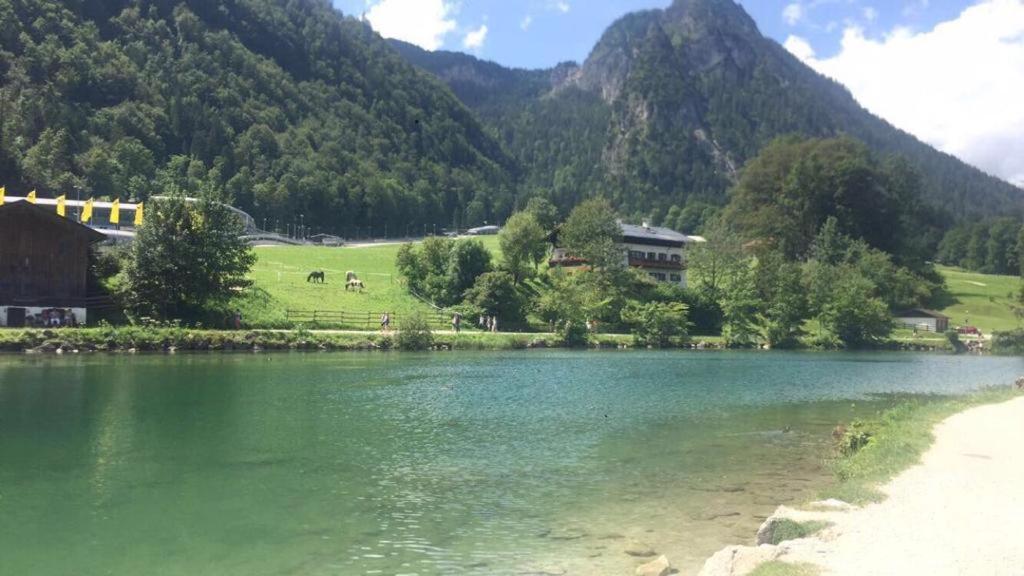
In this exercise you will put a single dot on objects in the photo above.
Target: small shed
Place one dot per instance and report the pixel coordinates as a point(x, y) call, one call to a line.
point(922, 319)
point(44, 266)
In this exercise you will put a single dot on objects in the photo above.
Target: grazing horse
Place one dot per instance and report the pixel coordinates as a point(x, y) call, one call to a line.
point(317, 277)
point(355, 284)
point(1020, 383)
point(350, 276)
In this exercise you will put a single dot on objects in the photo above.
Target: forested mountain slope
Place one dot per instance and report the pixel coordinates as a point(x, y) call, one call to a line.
point(669, 106)
point(286, 107)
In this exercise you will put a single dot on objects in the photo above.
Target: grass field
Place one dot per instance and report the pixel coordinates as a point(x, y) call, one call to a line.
point(280, 283)
point(981, 300)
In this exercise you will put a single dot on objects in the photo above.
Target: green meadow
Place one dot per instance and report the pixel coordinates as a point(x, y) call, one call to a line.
point(280, 285)
point(982, 300)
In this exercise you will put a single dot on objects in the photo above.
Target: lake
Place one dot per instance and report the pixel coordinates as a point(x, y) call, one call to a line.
point(550, 462)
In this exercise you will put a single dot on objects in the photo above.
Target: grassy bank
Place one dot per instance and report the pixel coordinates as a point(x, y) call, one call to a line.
point(157, 339)
point(882, 447)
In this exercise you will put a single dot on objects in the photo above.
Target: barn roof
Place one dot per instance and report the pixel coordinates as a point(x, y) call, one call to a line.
point(920, 313)
point(21, 207)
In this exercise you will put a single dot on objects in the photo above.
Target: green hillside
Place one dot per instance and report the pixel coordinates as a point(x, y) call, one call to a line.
point(287, 109)
point(982, 300)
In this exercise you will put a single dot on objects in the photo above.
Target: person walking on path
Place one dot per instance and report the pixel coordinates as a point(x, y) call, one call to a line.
point(385, 322)
point(457, 322)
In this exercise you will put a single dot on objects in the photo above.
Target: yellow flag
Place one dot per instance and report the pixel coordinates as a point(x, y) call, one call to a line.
point(61, 200)
point(31, 197)
point(138, 214)
point(115, 212)
point(87, 211)
point(3, 192)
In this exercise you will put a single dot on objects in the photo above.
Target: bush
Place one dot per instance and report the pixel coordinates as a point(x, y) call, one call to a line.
point(1008, 342)
point(414, 333)
point(655, 323)
point(573, 334)
point(954, 340)
point(851, 439)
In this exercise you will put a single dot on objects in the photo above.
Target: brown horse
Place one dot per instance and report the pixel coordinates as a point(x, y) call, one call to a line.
point(317, 277)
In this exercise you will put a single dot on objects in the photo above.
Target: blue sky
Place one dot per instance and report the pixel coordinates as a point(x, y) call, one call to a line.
point(950, 72)
point(541, 33)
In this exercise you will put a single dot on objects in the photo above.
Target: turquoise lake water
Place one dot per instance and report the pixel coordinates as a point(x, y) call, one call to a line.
point(469, 464)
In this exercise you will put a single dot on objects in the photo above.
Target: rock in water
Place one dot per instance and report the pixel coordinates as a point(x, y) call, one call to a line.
point(639, 550)
point(657, 567)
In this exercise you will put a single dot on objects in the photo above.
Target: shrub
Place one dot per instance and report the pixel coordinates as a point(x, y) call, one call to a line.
point(655, 323)
point(414, 333)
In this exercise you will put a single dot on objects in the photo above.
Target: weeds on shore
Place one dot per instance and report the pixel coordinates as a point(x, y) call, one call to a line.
point(894, 441)
point(776, 568)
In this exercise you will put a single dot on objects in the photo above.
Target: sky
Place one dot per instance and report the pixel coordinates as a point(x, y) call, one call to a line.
point(951, 72)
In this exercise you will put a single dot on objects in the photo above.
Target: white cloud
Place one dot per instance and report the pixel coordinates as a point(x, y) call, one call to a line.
point(793, 13)
point(870, 13)
point(800, 47)
point(421, 22)
point(561, 5)
point(526, 22)
point(958, 86)
point(474, 39)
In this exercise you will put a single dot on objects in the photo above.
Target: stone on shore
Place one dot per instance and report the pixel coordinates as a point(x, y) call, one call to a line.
point(739, 560)
point(657, 567)
point(832, 505)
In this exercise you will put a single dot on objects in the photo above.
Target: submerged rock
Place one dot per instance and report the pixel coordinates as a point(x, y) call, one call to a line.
point(657, 567)
point(566, 533)
point(639, 550)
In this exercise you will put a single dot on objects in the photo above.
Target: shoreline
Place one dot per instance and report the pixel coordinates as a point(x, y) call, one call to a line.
point(891, 510)
point(150, 339)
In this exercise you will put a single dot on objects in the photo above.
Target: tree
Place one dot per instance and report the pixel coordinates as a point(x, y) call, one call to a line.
point(187, 259)
point(784, 302)
point(592, 232)
point(543, 211)
point(854, 314)
point(468, 260)
point(523, 244)
point(740, 303)
point(442, 269)
point(496, 294)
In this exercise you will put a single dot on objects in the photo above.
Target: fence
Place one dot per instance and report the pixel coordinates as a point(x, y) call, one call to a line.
point(359, 320)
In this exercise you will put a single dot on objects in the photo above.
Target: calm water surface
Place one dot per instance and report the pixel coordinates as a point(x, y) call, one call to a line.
point(468, 464)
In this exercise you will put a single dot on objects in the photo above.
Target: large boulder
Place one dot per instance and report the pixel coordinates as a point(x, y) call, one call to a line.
point(657, 567)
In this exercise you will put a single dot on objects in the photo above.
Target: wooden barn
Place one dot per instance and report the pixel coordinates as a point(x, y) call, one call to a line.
point(44, 265)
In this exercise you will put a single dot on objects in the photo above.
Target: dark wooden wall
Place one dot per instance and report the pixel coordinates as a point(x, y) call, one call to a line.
point(41, 260)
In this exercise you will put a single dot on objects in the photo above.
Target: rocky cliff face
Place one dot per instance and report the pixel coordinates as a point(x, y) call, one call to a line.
point(675, 100)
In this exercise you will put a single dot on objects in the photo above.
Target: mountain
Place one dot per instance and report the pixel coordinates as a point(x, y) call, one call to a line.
point(669, 106)
point(287, 108)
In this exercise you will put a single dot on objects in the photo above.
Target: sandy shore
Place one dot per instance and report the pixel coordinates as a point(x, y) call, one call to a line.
point(958, 513)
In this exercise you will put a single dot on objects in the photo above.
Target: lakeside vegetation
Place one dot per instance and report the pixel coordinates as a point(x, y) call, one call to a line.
point(873, 451)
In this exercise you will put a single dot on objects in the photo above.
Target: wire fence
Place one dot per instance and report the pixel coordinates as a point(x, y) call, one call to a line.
point(359, 320)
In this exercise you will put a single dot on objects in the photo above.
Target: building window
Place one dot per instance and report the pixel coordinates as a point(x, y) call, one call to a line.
point(677, 258)
point(676, 278)
point(651, 256)
point(662, 257)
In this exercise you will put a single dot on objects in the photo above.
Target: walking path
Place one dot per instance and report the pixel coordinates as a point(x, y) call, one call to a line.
point(960, 512)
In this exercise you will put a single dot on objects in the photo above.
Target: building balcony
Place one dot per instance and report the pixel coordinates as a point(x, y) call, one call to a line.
point(656, 264)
